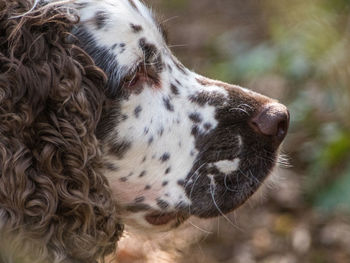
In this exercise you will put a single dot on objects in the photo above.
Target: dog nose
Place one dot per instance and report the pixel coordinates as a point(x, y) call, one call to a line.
point(272, 120)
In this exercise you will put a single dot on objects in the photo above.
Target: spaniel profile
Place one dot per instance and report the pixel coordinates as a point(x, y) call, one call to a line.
point(101, 126)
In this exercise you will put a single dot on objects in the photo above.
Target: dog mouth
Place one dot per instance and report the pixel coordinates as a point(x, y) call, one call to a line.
point(159, 218)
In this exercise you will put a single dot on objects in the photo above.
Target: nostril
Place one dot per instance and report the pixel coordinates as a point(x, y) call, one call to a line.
point(282, 128)
point(272, 120)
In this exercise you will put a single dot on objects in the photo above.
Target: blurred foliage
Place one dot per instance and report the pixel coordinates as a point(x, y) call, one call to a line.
point(308, 46)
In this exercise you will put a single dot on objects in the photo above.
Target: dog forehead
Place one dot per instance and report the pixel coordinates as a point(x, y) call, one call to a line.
point(122, 26)
point(120, 11)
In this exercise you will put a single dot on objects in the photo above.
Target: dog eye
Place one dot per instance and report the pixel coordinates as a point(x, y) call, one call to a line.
point(139, 76)
point(131, 79)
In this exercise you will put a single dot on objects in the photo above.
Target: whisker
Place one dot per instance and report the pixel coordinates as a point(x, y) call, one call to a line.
point(239, 109)
point(194, 173)
point(168, 19)
point(200, 229)
point(180, 45)
point(284, 161)
point(212, 189)
point(193, 186)
point(189, 207)
point(245, 105)
point(254, 177)
point(226, 186)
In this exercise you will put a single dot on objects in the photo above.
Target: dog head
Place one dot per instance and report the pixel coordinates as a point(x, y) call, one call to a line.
point(175, 143)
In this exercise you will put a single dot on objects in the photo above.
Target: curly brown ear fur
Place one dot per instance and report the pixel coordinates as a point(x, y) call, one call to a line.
point(55, 205)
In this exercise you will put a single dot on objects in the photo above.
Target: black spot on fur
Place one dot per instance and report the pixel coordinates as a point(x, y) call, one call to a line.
point(170, 68)
point(162, 204)
point(200, 100)
point(203, 98)
point(195, 130)
point(150, 140)
point(119, 149)
point(137, 111)
point(165, 183)
point(161, 131)
point(123, 179)
point(207, 126)
point(121, 46)
point(168, 104)
point(145, 130)
point(137, 208)
point(195, 117)
point(111, 166)
point(147, 187)
point(174, 89)
point(181, 182)
point(165, 157)
point(101, 19)
point(167, 170)
point(142, 174)
point(139, 199)
point(136, 28)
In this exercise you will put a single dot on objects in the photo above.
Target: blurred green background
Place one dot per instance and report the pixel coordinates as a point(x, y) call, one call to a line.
point(298, 52)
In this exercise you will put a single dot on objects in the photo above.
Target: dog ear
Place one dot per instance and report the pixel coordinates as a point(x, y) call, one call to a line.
point(54, 201)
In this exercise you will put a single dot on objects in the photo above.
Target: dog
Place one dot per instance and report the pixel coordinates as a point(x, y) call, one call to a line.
point(102, 126)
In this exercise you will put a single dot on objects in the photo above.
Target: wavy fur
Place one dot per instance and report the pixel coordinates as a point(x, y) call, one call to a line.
point(55, 205)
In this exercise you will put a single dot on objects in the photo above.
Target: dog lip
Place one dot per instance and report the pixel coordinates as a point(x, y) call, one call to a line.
point(159, 218)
